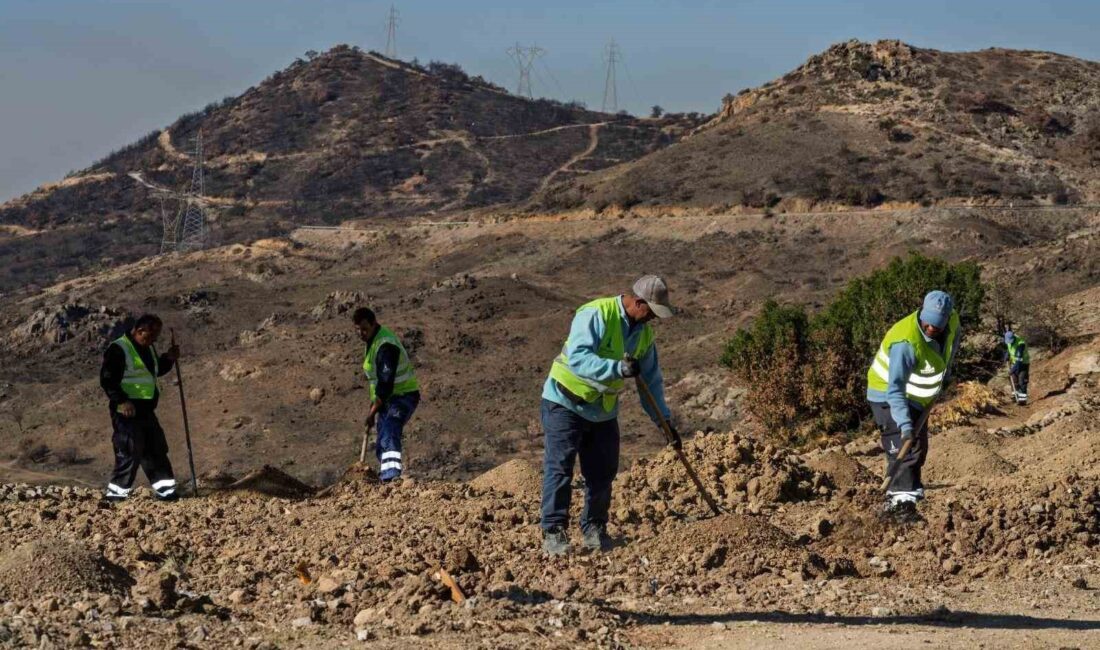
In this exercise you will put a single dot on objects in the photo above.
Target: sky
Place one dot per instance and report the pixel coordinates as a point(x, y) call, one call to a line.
point(81, 78)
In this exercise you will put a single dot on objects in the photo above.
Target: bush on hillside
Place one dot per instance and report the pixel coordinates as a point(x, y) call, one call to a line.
point(809, 372)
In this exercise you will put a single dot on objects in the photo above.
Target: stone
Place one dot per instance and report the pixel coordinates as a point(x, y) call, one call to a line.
point(301, 621)
point(363, 617)
point(327, 585)
point(881, 612)
point(316, 395)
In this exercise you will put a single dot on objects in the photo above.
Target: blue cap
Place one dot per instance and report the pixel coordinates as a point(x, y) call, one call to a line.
point(1009, 336)
point(937, 309)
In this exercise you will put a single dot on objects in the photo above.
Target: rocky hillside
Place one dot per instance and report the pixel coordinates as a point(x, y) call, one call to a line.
point(346, 135)
point(868, 123)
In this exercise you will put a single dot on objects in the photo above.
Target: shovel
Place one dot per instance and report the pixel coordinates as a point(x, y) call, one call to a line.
point(667, 430)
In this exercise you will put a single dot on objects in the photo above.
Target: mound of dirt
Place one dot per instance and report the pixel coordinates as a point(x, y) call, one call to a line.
point(734, 546)
point(518, 477)
point(742, 473)
point(959, 459)
point(272, 482)
point(843, 471)
point(56, 566)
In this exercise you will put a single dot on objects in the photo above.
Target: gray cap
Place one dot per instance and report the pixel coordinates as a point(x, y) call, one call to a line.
point(654, 291)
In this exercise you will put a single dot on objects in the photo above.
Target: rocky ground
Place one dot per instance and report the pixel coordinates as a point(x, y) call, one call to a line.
point(1006, 556)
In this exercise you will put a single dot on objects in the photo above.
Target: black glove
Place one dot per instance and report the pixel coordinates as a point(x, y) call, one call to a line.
point(629, 367)
point(676, 442)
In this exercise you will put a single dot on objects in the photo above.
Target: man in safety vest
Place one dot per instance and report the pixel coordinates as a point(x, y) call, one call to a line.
point(1019, 361)
point(394, 391)
point(609, 342)
point(909, 370)
point(129, 377)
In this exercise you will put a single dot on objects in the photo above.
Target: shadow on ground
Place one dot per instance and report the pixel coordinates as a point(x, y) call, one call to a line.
point(935, 619)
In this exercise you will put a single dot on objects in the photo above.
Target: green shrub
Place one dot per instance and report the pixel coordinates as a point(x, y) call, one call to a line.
point(807, 371)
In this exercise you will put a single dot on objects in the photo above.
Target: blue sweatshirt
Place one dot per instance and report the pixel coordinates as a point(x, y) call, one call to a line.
point(584, 339)
point(903, 359)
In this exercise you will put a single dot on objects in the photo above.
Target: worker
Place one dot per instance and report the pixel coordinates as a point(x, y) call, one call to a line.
point(394, 391)
point(1019, 367)
point(910, 369)
point(610, 340)
point(129, 374)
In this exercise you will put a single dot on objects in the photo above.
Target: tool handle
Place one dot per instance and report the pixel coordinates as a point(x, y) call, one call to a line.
point(363, 448)
point(186, 424)
point(890, 471)
point(669, 438)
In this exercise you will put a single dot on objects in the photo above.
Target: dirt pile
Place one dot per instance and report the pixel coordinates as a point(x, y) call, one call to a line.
point(273, 482)
point(519, 478)
point(843, 471)
point(742, 473)
point(55, 565)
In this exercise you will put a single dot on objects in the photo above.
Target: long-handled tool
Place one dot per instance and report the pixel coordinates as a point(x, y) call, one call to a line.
point(366, 435)
point(186, 425)
point(667, 430)
point(1015, 393)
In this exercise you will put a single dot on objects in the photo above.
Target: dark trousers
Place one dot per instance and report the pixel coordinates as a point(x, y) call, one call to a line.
point(1020, 376)
point(391, 425)
point(139, 442)
point(907, 475)
point(568, 435)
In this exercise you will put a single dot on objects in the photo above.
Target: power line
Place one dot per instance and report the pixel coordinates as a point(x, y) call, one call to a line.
point(612, 55)
point(391, 33)
point(524, 58)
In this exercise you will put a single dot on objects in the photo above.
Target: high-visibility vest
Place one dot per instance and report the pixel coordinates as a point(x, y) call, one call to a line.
point(405, 381)
point(1017, 351)
point(612, 347)
point(926, 380)
point(138, 382)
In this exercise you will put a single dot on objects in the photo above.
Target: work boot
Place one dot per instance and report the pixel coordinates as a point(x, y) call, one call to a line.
point(596, 538)
point(169, 498)
point(903, 512)
point(555, 541)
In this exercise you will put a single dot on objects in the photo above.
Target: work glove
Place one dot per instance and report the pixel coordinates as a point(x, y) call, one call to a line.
point(629, 367)
point(906, 434)
point(127, 409)
point(173, 353)
point(676, 443)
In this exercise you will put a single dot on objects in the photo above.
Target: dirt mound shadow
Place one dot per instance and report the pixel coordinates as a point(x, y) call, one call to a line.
point(272, 482)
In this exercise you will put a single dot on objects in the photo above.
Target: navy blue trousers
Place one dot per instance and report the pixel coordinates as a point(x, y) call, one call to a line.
point(568, 435)
point(391, 424)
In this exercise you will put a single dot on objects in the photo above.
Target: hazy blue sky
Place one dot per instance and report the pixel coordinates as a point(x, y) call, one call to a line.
point(79, 78)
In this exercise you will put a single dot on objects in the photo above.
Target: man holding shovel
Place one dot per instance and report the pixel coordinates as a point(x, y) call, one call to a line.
point(394, 391)
point(129, 375)
point(609, 341)
point(909, 371)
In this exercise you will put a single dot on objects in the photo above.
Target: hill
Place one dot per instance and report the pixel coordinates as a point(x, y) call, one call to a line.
point(345, 135)
point(871, 123)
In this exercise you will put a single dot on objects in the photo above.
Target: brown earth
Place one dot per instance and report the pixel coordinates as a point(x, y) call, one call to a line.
point(1005, 556)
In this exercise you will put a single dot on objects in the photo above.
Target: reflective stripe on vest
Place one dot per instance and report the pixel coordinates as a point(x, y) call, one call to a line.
point(612, 347)
point(1017, 351)
point(137, 381)
point(405, 380)
point(926, 379)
